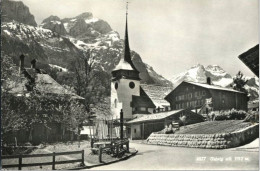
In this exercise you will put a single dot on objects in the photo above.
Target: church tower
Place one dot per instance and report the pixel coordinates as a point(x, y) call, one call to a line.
point(125, 83)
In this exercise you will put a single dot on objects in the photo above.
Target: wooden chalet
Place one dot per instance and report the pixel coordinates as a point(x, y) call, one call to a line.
point(193, 96)
point(38, 80)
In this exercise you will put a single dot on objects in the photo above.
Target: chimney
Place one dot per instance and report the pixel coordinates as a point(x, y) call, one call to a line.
point(21, 63)
point(208, 81)
point(33, 63)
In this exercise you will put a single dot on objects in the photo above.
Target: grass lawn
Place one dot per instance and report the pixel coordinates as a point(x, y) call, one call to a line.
point(89, 158)
point(213, 127)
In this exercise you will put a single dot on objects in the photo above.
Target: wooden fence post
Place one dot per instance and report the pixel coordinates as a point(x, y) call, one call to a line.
point(53, 161)
point(82, 154)
point(127, 146)
point(100, 154)
point(117, 150)
point(20, 162)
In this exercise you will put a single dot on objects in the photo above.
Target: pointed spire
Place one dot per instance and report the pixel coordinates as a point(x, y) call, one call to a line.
point(127, 51)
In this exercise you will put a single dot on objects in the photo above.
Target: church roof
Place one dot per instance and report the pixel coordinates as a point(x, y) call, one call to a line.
point(142, 101)
point(123, 65)
point(157, 94)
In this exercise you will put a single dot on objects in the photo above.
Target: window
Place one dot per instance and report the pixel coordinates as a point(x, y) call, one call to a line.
point(204, 93)
point(176, 106)
point(134, 130)
point(223, 101)
point(142, 109)
point(116, 85)
point(187, 104)
point(132, 85)
point(115, 103)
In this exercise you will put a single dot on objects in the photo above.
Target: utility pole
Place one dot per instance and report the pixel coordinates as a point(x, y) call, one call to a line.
point(121, 124)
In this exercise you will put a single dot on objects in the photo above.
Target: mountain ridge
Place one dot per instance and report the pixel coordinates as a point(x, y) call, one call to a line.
point(219, 77)
point(57, 42)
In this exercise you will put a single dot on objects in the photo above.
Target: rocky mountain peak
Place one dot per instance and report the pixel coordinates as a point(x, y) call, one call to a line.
point(215, 69)
point(54, 24)
point(51, 18)
point(84, 26)
point(16, 10)
point(85, 15)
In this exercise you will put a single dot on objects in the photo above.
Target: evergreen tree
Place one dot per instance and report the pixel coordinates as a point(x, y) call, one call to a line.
point(239, 82)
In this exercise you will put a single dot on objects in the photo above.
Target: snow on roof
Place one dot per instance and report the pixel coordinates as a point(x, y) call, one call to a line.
point(223, 82)
point(213, 87)
point(157, 94)
point(123, 65)
point(58, 67)
point(156, 116)
point(46, 84)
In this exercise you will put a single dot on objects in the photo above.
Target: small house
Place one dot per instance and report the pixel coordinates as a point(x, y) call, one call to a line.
point(143, 126)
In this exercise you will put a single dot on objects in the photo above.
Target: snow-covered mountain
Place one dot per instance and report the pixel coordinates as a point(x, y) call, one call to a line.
point(84, 26)
point(219, 77)
point(58, 42)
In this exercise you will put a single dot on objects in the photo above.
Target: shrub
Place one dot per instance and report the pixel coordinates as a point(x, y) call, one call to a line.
point(252, 116)
point(233, 114)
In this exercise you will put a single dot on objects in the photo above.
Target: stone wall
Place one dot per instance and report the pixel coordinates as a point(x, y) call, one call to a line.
point(215, 141)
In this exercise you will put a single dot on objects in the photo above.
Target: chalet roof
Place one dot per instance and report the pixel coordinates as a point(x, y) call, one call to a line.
point(142, 101)
point(46, 84)
point(157, 94)
point(213, 87)
point(156, 116)
point(251, 59)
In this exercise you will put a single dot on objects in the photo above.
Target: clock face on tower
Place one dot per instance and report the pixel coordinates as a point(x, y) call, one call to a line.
point(116, 86)
point(132, 85)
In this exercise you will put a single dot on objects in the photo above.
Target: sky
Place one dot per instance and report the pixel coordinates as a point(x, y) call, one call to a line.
point(172, 35)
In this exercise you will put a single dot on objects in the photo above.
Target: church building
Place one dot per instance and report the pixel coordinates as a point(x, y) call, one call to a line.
point(128, 94)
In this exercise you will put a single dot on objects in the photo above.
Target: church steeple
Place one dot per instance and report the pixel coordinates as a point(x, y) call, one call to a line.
point(127, 51)
point(125, 67)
